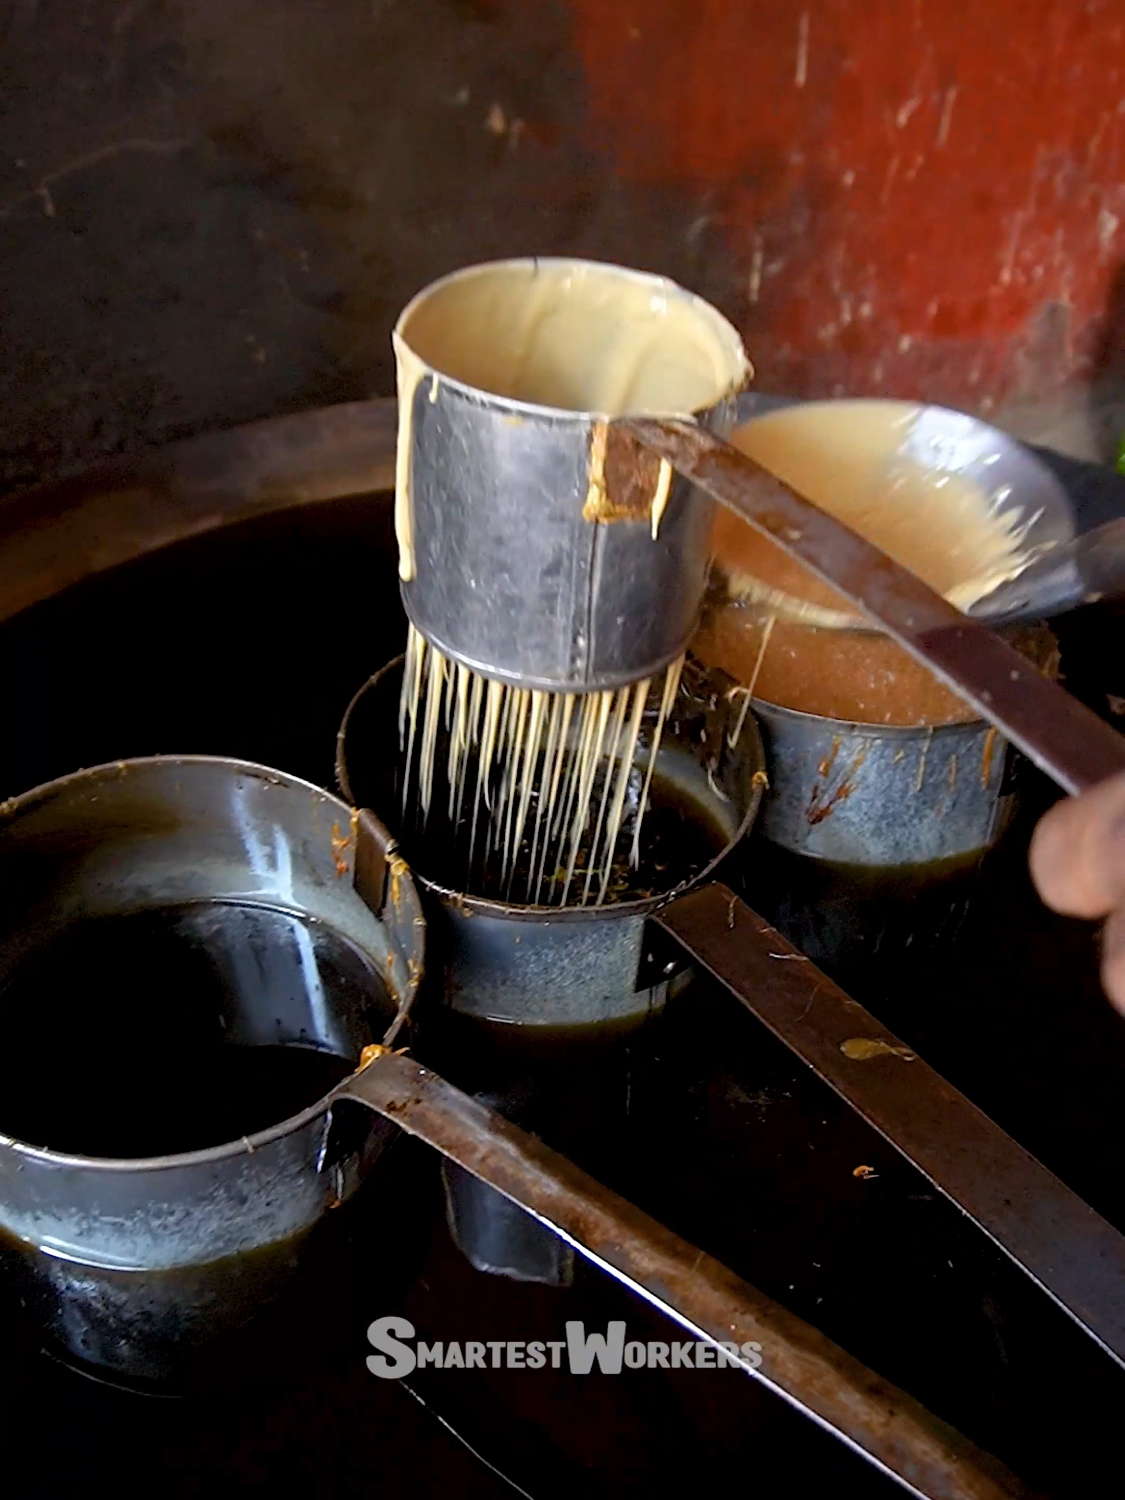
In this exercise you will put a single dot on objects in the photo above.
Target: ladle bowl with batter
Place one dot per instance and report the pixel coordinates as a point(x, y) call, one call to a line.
point(960, 503)
point(883, 783)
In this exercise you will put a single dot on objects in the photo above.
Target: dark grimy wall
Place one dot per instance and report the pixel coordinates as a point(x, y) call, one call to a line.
point(211, 210)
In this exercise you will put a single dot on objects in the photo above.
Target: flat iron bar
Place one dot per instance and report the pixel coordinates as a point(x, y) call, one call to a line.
point(875, 1419)
point(1068, 1250)
point(1063, 737)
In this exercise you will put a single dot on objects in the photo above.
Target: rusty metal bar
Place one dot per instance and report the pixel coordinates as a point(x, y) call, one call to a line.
point(57, 534)
point(1064, 739)
point(875, 1419)
point(1067, 1249)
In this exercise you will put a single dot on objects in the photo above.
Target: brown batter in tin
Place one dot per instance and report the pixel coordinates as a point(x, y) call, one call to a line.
point(861, 677)
point(792, 637)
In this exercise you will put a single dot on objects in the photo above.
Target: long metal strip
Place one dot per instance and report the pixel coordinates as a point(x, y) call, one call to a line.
point(874, 1418)
point(1067, 741)
point(1071, 1252)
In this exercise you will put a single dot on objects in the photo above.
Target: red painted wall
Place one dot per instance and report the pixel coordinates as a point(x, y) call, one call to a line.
point(921, 197)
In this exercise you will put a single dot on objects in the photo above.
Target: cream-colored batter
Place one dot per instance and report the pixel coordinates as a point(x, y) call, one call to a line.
point(850, 459)
point(660, 498)
point(571, 335)
point(576, 335)
point(409, 371)
point(535, 781)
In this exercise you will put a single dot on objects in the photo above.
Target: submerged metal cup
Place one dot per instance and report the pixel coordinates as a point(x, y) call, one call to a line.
point(536, 978)
point(528, 552)
point(134, 1265)
point(871, 841)
point(549, 967)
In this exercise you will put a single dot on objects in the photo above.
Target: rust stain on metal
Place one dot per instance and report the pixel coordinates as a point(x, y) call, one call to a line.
point(341, 843)
point(623, 477)
point(817, 810)
point(826, 764)
point(986, 757)
point(398, 868)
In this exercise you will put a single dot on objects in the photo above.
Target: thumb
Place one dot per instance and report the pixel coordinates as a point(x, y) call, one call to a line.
point(1077, 852)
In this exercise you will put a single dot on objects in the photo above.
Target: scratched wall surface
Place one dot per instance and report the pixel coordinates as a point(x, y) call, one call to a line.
point(921, 196)
point(211, 210)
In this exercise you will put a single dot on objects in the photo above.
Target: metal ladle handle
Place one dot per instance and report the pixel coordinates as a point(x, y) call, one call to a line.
point(1059, 734)
point(1068, 1250)
point(1090, 567)
point(798, 1363)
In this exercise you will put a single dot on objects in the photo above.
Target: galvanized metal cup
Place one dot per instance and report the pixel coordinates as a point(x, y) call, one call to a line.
point(539, 967)
point(528, 546)
point(135, 1265)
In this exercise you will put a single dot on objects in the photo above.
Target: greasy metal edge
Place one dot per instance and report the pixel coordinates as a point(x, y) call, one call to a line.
point(243, 1144)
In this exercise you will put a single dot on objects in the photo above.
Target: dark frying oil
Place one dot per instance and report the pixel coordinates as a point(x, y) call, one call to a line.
point(679, 838)
point(177, 1029)
point(874, 928)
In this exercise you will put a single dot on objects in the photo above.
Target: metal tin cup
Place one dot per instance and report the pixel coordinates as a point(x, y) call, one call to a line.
point(137, 1264)
point(546, 968)
point(540, 1002)
point(871, 839)
point(533, 547)
point(882, 795)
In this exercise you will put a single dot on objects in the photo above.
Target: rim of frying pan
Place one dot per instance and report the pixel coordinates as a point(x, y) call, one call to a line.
point(484, 906)
point(243, 1145)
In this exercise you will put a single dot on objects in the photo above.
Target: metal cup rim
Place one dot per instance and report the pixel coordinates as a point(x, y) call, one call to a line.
point(243, 1145)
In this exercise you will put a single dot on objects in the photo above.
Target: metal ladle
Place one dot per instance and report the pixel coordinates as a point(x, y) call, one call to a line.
point(1059, 734)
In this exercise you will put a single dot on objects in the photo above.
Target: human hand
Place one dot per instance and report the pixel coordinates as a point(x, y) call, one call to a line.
point(1078, 866)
